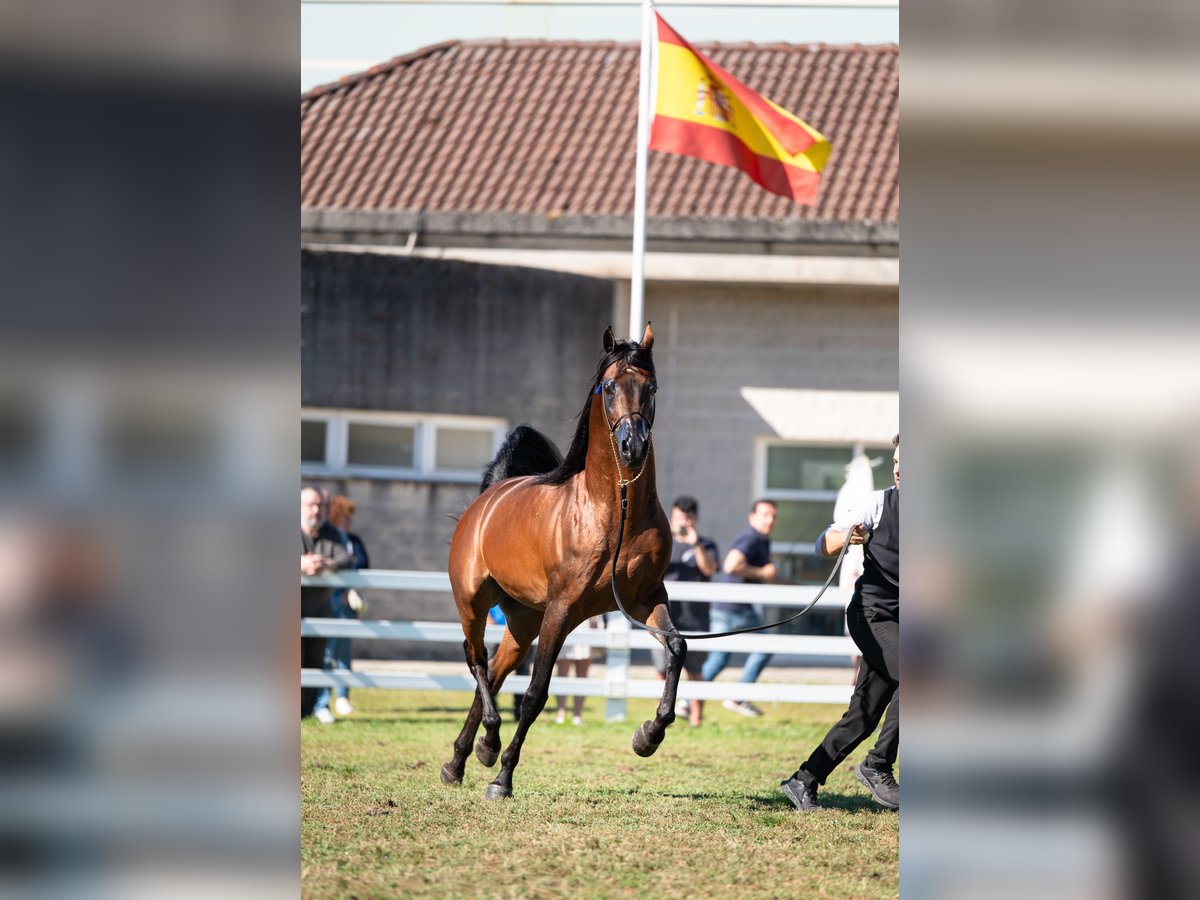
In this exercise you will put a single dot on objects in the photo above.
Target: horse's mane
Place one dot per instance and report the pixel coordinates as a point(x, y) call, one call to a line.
point(632, 354)
point(525, 451)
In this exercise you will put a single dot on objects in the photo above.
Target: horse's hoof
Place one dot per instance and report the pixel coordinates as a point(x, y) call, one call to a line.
point(497, 792)
point(486, 753)
point(450, 776)
point(644, 743)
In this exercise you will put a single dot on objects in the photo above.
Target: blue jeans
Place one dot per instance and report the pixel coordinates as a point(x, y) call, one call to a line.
point(337, 652)
point(727, 620)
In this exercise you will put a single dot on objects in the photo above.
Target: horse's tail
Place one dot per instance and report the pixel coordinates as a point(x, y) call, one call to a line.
point(525, 451)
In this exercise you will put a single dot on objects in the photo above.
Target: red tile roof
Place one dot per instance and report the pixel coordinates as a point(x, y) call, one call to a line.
point(548, 127)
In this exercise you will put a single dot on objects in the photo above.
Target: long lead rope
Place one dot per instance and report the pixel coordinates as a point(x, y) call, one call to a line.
point(707, 635)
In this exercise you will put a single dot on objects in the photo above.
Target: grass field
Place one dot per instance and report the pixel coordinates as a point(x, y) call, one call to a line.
point(702, 817)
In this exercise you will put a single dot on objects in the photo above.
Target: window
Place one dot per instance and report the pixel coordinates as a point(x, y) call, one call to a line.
point(463, 448)
point(393, 446)
point(397, 445)
point(312, 441)
point(804, 481)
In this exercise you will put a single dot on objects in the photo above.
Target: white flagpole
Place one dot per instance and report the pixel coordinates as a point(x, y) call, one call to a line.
point(638, 276)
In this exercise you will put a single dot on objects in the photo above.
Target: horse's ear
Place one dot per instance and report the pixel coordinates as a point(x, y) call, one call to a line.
point(609, 340)
point(647, 337)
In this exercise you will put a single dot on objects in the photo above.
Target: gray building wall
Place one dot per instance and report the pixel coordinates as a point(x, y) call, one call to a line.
point(390, 332)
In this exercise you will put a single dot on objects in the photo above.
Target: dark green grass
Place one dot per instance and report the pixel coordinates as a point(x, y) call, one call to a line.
point(702, 817)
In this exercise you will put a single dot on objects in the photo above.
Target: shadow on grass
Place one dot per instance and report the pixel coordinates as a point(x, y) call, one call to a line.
point(854, 803)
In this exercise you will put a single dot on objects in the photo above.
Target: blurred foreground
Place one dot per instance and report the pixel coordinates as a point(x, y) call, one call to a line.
point(147, 436)
point(1049, 346)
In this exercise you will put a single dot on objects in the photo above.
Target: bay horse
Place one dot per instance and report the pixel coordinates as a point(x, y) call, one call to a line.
point(539, 541)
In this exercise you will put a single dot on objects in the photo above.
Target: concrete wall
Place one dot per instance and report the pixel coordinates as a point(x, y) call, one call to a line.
point(388, 332)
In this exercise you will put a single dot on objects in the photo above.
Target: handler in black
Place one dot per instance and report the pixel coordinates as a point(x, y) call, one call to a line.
point(873, 617)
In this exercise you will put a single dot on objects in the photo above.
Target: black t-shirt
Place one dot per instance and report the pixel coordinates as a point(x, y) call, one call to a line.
point(757, 550)
point(689, 616)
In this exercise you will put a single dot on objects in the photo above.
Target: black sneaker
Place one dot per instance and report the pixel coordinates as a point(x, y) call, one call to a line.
point(802, 794)
point(881, 784)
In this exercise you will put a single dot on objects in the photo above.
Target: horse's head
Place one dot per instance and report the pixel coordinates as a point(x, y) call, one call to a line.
point(627, 387)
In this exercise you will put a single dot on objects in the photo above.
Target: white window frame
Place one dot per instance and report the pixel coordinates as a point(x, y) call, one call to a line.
point(425, 427)
point(761, 447)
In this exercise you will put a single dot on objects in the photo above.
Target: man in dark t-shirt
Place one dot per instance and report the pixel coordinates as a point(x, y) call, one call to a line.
point(693, 558)
point(747, 562)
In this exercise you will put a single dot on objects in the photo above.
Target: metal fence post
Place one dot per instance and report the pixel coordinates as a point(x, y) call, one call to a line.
point(616, 669)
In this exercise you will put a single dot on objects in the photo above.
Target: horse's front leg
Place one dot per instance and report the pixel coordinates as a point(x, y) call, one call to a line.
point(651, 733)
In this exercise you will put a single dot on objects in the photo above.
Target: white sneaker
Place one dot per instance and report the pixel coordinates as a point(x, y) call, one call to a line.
point(742, 708)
point(576, 720)
point(560, 718)
point(342, 706)
point(683, 709)
point(324, 716)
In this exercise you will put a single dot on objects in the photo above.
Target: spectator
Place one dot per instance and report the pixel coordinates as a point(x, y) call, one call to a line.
point(345, 604)
point(580, 656)
point(874, 618)
point(321, 550)
point(747, 562)
point(693, 558)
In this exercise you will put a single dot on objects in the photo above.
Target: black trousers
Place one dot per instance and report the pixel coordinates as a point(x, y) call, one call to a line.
point(877, 690)
point(312, 650)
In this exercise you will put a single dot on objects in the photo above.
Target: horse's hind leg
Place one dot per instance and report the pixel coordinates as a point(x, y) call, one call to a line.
point(507, 658)
point(522, 628)
point(473, 605)
point(452, 771)
point(523, 625)
point(554, 629)
point(651, 733)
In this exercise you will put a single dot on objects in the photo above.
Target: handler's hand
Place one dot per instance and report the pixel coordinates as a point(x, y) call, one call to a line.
point(858, 534)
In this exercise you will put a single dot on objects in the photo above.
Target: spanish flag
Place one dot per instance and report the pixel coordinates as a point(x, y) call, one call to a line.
point(703, 111)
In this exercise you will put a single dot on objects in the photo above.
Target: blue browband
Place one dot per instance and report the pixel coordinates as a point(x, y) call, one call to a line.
point(653, 386)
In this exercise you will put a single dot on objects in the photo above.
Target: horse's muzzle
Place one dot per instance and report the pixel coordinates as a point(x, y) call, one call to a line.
point(633, 440)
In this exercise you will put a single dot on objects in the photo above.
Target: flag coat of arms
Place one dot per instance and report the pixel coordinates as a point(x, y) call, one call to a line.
point(701, 110)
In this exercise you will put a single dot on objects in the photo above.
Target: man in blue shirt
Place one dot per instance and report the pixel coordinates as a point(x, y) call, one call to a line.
point(747, 562)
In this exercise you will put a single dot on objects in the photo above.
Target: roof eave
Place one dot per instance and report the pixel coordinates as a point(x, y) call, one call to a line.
point(393, 227)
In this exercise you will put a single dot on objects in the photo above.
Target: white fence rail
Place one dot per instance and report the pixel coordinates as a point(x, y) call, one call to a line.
point(617, 640)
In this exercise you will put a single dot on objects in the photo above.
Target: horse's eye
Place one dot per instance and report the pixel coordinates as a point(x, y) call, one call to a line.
point(654, 387)
point(609, 387)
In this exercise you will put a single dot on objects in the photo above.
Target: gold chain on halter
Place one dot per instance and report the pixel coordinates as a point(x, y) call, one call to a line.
point(617, 458)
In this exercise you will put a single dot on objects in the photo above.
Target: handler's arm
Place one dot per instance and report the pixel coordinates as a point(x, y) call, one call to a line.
point(831, 541)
